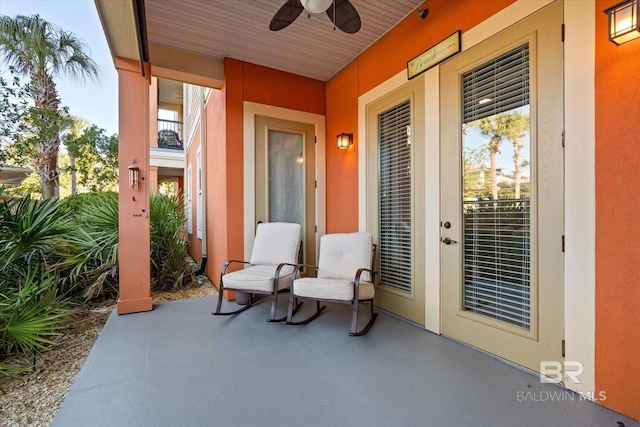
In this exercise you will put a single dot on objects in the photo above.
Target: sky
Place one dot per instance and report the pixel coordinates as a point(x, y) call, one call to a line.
point(95, 102)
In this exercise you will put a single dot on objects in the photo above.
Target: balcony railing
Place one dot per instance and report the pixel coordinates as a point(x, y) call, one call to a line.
point(170, 134)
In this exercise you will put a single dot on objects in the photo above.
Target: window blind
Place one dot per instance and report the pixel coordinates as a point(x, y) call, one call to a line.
point(394, 156)
point(497, 260)
point(499, 85)
point(496, 233)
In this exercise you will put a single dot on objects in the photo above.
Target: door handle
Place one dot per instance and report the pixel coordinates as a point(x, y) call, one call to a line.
point(448, 241)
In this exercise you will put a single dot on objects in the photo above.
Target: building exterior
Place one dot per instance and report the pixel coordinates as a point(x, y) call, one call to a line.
point(562, 297)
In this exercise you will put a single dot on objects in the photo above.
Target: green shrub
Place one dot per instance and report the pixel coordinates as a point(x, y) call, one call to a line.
point(91, 257)
point(32, 312)
point(169, 267)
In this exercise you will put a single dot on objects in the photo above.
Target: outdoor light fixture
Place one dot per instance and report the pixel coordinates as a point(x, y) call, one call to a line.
point(345, 140)
point(623, 21)
point(316, 6)
point(134, 175)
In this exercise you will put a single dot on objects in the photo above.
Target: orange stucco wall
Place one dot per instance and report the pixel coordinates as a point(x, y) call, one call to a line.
point(195, 244)
point(342, 165)
point(217, 235)
point(225, 139)
point(617, 225)
point(264, 85)
point(384, 59)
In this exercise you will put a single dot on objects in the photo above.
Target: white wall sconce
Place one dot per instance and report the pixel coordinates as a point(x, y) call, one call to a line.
point(134, 175)
point(345, 140)
point(623, 21)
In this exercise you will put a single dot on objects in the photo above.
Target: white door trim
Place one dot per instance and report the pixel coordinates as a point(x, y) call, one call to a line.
point(580, 190)
point(252, 109)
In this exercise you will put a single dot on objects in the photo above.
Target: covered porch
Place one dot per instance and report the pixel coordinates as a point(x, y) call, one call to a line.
point(583, 310)
point(179, 365)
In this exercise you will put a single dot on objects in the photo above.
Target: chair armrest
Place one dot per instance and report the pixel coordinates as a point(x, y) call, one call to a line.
point(362, 270)
point(226, 265)
point(297, 267)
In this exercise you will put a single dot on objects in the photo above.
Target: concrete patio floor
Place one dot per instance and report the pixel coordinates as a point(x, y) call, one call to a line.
point(180, 366)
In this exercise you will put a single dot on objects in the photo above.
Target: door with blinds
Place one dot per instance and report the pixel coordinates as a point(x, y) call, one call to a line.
point(502, 193)
point(395, 198)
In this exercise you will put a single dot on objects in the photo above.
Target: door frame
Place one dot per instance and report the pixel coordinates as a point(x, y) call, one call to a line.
point(498, 22)
point(250, 111)
point(579, 88)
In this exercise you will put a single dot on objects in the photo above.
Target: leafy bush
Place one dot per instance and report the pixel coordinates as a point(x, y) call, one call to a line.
point(32, 312)
point(91, 257)
point(169, 267)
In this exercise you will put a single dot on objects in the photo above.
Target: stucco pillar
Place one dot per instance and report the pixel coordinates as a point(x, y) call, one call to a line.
point(133, 145)
point(153, 112)
point(153, 179)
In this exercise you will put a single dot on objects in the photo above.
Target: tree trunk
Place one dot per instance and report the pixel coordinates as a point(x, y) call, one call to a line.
point(47, 105)
point(517, 163)
point(74, 178)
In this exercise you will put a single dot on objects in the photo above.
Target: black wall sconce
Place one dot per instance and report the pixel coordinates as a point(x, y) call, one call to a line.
point(623, 21)
point(345, 140)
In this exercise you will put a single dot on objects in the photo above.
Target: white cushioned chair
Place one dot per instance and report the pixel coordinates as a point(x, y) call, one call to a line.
point(271, 269)
point(344, 274)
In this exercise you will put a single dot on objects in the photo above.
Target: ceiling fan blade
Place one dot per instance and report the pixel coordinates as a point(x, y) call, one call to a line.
point(286, 15)
point(346, 16)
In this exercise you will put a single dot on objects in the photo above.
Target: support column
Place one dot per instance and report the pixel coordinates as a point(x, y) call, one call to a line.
point(153, 179)
point(133, 147)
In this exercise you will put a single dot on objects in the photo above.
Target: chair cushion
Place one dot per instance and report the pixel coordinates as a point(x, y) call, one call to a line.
point(275, 243)
point(342, 254)
point(258, 278)
point(337, 289)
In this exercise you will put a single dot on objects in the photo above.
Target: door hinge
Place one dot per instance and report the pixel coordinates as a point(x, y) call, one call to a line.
point(315, 139)
point(563, 139)
point(562, 348)
point(316, 228)
point(562, 31)
point(315, 184)
point(563, 243)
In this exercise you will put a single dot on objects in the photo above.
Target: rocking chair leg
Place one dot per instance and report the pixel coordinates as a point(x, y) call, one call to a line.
point(284, 318)
point(354, 321)
point(308, 319)
point(218, 311)
point(219, 306)
point(274, 305)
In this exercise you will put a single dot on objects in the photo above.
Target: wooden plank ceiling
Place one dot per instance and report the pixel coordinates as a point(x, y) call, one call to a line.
point(240, 29)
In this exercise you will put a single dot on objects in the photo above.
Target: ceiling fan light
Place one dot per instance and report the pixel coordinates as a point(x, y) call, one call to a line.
point(316, 6)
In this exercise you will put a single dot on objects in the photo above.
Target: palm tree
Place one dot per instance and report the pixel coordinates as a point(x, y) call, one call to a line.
point(519, 125)
point(510, 125)
point(76, 127)
point(496, 128)
point(40, 51)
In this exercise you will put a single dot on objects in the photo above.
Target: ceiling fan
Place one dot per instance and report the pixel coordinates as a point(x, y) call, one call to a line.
point(341, 12)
